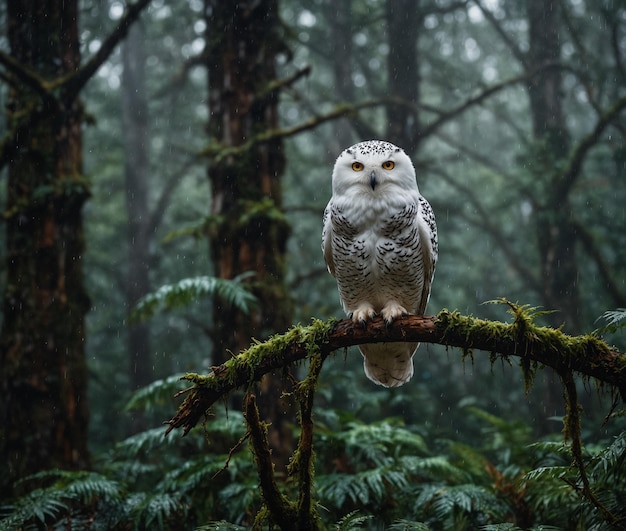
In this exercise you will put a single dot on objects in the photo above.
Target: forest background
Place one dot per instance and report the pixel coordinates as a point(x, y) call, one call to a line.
point(188, 146)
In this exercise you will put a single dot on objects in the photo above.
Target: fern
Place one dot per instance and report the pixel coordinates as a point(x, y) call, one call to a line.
point(435, 468)
point(51, 504)
point(38, 506)
point(612, 459)
point(407, 525)
point(221, 526)
point(172, 296)
point(156, 509)
point(454, 504)
point(615, 321)
point(145, 442)
point(351, 521)
point(159, 392)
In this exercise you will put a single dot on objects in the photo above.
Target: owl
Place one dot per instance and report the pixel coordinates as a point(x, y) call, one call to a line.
point(380, 243)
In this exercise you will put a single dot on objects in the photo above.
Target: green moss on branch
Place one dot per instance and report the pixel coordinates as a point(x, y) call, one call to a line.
point(534, 345)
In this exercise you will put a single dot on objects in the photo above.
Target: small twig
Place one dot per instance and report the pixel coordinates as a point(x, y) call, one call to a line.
point(232, 451)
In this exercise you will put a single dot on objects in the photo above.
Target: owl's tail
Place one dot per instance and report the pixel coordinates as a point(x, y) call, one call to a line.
point(389, 364)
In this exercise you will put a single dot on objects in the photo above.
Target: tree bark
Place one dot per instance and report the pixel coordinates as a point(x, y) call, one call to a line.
point(554, 225)
point(403, 73)
point(556, 231)
point(339, 18)
point(136, 168)
point(43, 376)
point(248, 233)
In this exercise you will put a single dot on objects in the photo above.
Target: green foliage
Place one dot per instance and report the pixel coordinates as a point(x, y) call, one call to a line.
point(488, 181)
point(352, 521)
point(182, 293)
point(368, 475)
point(616, 321)
point(58, 496)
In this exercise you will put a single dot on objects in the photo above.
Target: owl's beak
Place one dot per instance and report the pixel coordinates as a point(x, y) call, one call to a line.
point(373, 180)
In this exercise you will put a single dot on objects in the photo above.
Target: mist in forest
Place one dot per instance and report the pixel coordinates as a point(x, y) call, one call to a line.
point(165, 169)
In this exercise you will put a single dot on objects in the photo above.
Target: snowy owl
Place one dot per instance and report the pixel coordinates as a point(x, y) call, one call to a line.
point(380, 243)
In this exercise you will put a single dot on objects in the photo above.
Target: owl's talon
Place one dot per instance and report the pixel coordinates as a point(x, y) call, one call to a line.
point(362, 314)
point(391, 311)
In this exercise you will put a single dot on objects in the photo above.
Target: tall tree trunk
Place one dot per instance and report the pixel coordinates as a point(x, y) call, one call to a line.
point(403, 73)
point(43, 416)
point(338, 15)
point(249, 233)
point(136, 167)
point(553, 217)
point(556, 234)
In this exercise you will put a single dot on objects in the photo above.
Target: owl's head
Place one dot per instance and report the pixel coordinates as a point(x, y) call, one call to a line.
point(373, 166)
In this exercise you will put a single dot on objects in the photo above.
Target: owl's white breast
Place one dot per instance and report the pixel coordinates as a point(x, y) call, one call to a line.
point(376, 249)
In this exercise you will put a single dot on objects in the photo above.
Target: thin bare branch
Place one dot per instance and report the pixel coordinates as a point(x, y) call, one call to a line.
point(504, 35)
point(576, 160)
point(613, 286)
point(495, 231)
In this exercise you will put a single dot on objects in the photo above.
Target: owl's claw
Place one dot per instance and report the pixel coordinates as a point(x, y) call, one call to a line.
point(391, 311)
point(362, 314)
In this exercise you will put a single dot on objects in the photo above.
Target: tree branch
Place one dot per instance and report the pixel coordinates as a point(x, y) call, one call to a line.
point(279, 507)
point(522, 338)
point(26, 76)
point(504, 35)
point(613, 287)
point(74, 84)
point(499, 237)
point(577, 158)
point(218, 151)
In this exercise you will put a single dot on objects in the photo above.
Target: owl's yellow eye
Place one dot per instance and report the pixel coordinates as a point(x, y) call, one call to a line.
point(389, 165)
point(357, 166)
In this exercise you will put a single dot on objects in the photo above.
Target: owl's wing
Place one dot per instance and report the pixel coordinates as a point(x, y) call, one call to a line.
point(327, 238)
point(430, 249)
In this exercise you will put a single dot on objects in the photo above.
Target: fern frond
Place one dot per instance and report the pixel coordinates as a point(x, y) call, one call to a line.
point(615, 321)
point(145, 442)
point(407, 525)
point(159, 392)
point(552, 473)
point(49, 504)
point(436, 468)
point(352, 521)
point(183, 292)
point(502, 527)
point(155, 510)
point(613, 458)
point(38, 506)
point(220, 526)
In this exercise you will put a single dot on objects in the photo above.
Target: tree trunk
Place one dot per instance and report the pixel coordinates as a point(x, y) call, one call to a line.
point(43, 422)
point(403, 73)
point(136, 167)
point(555, 230)
point(339, 17)
point(556, 233)
point(249, 233)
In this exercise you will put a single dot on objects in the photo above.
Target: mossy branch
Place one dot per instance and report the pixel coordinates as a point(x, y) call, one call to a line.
point(534, 345)
point(280, 508)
